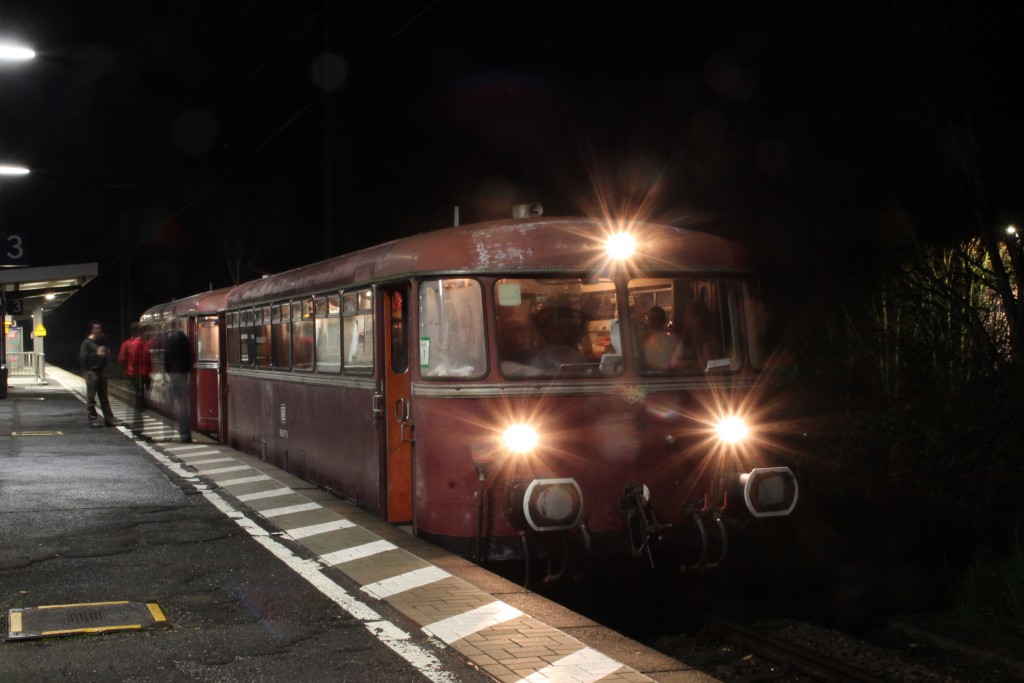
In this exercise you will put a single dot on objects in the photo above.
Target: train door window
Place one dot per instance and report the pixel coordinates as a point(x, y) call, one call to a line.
point(234, 339)
point(452, 342)
point(328, 333)
point(207, 349)
point(262, 333)
point(399, 337)
point(156, 350)
point(281, 336)
point(357, 328)
point(302, 335)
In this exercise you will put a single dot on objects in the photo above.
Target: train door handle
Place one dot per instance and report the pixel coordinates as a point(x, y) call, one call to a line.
point(378, 410)
point(403, 413)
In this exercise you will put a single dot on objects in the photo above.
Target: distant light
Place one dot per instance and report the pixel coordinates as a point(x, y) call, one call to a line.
point(13, 170)
point(51, 297)
point(1011, 230)
point(15, 53)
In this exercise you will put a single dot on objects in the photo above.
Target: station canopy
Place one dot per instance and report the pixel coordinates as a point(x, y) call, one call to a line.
point(44, 288)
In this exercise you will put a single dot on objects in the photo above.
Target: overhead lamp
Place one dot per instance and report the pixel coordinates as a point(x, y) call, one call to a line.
point(15, 53)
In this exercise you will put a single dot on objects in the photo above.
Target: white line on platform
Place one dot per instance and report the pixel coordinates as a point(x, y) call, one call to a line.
point(185, 446)
point(221, 470)
point(314, 529)
point(358, 552)
point(583, 666)
point(274, 493)
point(288, 510)
point(243, 480)
point(208, 462)
point(198, 454)
point(405, 582)
point(461, 625)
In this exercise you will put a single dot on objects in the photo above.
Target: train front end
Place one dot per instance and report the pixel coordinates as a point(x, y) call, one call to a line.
point(621, 411)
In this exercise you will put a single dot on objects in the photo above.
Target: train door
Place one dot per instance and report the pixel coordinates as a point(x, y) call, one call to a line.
point(396, 474)
point(206, 403)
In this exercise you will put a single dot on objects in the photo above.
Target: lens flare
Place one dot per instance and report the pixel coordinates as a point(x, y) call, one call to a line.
point(732, 429)
point(521, 438)
point(620, 246)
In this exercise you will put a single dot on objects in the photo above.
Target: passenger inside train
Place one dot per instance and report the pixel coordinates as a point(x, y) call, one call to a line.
point(700, 347)
point(561, 331)
point(662, 348)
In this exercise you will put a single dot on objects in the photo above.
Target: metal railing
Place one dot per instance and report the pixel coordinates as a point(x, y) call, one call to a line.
point(27, 364)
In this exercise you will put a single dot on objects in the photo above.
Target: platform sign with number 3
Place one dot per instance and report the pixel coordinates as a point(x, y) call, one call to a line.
point(12, 250)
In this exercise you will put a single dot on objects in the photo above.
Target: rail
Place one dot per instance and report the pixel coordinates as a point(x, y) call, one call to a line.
point(27, 364)
point(785, 653)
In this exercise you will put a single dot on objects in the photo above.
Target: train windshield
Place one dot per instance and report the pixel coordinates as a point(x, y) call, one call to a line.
point(452, 342)
point(692, 325)
point(573, 327)
point(563, 327)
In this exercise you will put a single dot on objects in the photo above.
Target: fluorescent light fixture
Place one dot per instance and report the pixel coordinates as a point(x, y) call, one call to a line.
point(15, 53)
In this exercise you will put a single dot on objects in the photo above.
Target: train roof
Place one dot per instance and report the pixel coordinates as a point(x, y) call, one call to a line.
point(204, 302)
point(512, 246)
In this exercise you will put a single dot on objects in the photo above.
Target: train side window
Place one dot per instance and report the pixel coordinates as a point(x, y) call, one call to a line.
point(302, 335)
point(328, 333)
point(357, 328)
point(281, 336)
point(248, 338)
point(452, 342)
point(261, 327)
point(234, 339)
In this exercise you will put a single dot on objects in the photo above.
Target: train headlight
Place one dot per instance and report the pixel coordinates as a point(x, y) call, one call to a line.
point(732, 429)
point(769, 491)
point(620, 246)
point(544, 504)
point(521, 438)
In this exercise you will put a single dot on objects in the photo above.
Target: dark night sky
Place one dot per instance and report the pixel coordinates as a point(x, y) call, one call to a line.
point(795, 127)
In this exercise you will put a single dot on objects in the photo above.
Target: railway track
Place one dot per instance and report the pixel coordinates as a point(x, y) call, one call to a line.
point(792, 656)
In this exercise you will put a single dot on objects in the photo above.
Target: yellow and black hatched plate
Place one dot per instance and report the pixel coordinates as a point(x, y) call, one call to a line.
point(48, 621)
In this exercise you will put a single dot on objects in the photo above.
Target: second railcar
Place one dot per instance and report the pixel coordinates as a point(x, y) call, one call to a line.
point(201, 318)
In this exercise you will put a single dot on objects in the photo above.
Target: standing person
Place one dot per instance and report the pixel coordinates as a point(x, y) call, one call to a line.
point(92, 356)
point(661, 346)
point(700, 343)
point(178, 364)
point(136, 363)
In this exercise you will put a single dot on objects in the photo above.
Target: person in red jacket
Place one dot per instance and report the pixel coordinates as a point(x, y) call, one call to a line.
point(136, 363)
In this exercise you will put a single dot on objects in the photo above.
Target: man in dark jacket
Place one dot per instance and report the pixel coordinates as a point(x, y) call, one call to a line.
point(178, 365)
point(92, 356)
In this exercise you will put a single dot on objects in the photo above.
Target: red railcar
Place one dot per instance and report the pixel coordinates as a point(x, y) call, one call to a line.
point(502, 387)
point(201, 318)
